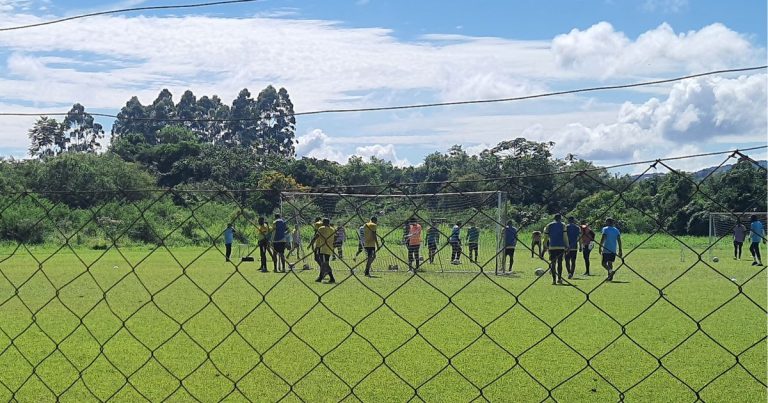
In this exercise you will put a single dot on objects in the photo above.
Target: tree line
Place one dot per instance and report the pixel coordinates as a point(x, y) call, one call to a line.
point(202, 143)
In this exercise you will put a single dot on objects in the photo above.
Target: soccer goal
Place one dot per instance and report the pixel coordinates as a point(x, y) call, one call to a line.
point(348, 212)
point(721, 230)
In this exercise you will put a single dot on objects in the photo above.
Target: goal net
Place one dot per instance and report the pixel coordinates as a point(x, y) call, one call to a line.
point(348, 212)
point(722, 226)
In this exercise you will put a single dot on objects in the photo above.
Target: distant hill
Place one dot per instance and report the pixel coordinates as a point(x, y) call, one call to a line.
point(701, 174)
point(725, 168)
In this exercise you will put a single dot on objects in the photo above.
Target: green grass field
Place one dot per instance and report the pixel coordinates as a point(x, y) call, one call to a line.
point(182, 325)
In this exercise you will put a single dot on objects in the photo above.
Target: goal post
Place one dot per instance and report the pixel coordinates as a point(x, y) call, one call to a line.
point(722, 225)
point(485, 210)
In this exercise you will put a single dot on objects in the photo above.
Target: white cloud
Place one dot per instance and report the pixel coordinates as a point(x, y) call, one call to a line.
point(602, 50)
point(7, 6)
point(102, 61)
point(384, 152)
point(477, 148)
point(314, 144)
point(317, 144)
point(695, 113)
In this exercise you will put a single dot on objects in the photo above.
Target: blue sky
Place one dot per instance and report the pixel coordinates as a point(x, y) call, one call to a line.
point(362, 53)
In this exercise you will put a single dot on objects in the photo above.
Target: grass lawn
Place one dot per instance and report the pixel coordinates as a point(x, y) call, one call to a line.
point(84, 325)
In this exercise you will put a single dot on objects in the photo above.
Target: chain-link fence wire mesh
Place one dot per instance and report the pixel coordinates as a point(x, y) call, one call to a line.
point(138, 298)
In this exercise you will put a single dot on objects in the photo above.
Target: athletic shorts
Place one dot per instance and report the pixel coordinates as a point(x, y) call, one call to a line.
point(370, 251)
point(473, 245)
point(555, 254)
point(571, 254)
point(432, 246)
point(263, 242)
point(509, 252)
point(609, 257)
point(337, 244)
point(413, 248)
point(279, 247)
point(323, 258)
point(737, 243)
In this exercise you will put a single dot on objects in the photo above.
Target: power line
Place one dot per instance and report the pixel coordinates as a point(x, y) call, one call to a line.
point(125, 10)
point(416, 106)
point(542, 95)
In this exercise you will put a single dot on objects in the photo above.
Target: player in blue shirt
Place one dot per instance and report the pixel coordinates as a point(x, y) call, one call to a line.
point(757, 234)
point(610, 246)
point(573, 231)
point(279, 239)
point(510, 243)
point(473, 240)
point(229, 236)
point(556, 242)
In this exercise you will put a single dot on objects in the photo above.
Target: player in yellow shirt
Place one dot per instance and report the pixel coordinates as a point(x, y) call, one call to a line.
point(323, 243)
point(371, 243)
point(263, 239)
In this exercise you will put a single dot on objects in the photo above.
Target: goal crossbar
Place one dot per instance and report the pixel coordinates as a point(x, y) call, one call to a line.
point(369, 195)
point(487, 207)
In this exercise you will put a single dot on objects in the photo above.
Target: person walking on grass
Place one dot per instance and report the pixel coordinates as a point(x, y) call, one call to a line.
point(414, 244)
point(371, 242)
point(433, 238)
point(263, 233)
point(757, 233)
point(229, 236)
point(510, 242)
point(338, 241)
point(556, 242)
point(610, 247)
point(573, 232)
point(586, 244)
point(360, 242)
point(323, 243)
point(315, 226)
point(536, 242)
point(279, 239)
point(473, 240)
point(455, 241)
point(739, 235)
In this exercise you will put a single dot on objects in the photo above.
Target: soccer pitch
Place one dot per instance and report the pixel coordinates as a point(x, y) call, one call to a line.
point(183, 325)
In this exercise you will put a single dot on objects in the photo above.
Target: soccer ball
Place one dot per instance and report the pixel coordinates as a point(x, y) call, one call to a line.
point(733, 279)
point(539, 272)
point(715, 259)
point(114, 267)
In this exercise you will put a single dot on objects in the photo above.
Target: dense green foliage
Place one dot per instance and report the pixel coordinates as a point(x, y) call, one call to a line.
point(204, 144)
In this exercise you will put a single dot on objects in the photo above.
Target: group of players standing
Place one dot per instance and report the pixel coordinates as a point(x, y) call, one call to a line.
point(560, 240)
point(563, 242)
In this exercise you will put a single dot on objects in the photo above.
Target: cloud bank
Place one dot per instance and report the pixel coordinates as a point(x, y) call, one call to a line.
point(101, 62)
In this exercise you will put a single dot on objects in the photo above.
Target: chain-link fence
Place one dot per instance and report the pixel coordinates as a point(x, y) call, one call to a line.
point(161, 294)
